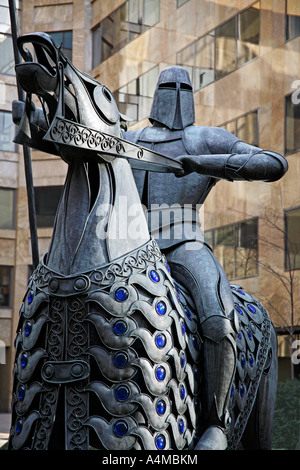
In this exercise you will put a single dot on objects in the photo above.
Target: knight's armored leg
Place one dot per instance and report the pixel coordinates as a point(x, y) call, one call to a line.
point(219, 354)
point(200, 272)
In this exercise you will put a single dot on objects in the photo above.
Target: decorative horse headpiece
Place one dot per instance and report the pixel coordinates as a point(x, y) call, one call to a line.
point(80, 113)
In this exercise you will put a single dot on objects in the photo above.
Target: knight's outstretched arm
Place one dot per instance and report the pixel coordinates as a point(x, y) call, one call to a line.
point(236, 161)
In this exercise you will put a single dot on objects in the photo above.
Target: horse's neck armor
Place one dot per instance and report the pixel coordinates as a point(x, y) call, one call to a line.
point(123, 342)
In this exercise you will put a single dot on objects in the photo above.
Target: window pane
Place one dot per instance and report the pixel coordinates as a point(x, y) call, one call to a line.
point(96, 46)
point(246, 249)
point(230, 126)
point(46, 202)
point(180, 2)
point(5, 20)
point(186, 59)
point(204, 61)
point(247, 128)
point(7, 201)
point(151, 12)
point(226, 48)
point(64, 38)
point(107, 39)
point(248, 43)
point(7, 132)
point(147, 82)
point(5, 283)
point(224, 249)
point(292, 19)
point(292, 126)
point(121, 27)
point(133, 11)
point(7, 61)
point(292, 255)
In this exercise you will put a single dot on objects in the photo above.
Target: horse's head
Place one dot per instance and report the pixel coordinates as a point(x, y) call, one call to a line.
point(62, 89)
point(81, 116)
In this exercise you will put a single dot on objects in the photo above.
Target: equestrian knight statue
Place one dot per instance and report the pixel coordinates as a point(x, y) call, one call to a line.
point(136, 341)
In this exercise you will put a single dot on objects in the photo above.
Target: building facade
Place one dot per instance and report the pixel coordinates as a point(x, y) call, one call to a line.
point(243, 59)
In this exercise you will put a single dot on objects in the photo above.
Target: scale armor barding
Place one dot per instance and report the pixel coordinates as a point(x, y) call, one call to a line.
point(122, 341)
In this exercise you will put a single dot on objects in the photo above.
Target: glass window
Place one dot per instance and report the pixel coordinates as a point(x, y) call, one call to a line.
point(248, 34)
point(5, 285)
point(135, 99)
point(224, 49)
point(46, 202)
point(292, 125)
point(181, 2)
point(151, 12)
point(121, 26)
point(7, 61)
point(292, 239)
point(7, 132)
point(226, 35)
point(235, 246)
point(186, 59)
point(224, 248)
point(292, 19)
point(247, 128)
point(7, 208)
point(246, 249)
point(107, 37)
point(64, 38)
point(204, 61)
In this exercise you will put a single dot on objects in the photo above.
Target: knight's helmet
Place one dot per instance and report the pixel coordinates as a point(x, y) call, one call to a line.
point(173, 101)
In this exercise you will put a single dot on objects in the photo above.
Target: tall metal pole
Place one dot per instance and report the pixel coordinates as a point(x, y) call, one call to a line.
point(26, 150)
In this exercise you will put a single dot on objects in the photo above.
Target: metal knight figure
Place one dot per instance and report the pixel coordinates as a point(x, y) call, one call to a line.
point(208, 154)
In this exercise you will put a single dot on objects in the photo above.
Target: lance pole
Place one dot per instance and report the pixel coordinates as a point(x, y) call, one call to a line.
point(26, 150)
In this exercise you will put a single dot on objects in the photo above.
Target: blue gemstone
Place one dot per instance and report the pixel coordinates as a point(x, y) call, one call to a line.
point(241, 291)
point(232, 391)
point(183, 327)
point(239, 310)
point(181, 426)
point(120, 428)
point(160, 441)
point(249, 333)
point(182, 391)
point(195, 343)
point(240, 335)
point(243, 361)
point(168, 267)
point(251, 360)
point(122, 393)
point(197, 373)
point(27, 328)
point(161, 307)
point(160, 340)
point(188, 313)
point(21, 392)
point(251, 308)
point(160, 373)
point(120, 359)
point(120, 327)
point(242, 390)
point(182, 359)
point(30, 297)
point(154, 276)
point(19, 426)
point(161, 407)
point(121, 294)
point(24, 360)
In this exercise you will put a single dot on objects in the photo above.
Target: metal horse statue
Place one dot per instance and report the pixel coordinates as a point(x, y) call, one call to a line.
point(108, 350)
